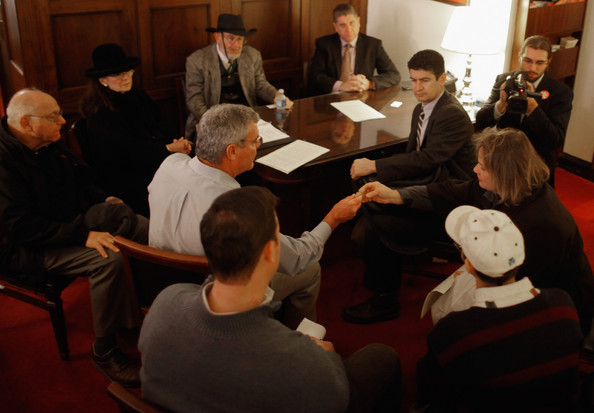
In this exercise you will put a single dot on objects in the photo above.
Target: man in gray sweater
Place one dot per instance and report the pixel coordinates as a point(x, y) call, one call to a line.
point(216, 347)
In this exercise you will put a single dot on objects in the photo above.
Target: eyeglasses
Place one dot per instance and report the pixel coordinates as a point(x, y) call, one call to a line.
point(52, 117)
point(120, 76)
point(256, 142)
point(230, 39)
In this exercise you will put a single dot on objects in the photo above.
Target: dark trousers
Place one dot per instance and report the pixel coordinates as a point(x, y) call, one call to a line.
point(389, 232)
point(375, 379)
point(111, 302)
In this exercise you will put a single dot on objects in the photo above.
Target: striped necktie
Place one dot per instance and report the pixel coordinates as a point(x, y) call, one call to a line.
point(420, 128)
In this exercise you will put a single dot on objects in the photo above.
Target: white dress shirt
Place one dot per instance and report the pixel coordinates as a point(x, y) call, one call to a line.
point(181, 192)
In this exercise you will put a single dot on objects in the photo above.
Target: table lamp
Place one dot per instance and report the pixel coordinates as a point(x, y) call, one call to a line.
point(473, 31)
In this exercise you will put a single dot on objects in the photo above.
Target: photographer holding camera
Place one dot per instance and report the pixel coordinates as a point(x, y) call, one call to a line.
point(532, 101)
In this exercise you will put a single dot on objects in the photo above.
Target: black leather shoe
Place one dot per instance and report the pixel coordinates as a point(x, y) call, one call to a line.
point(116, 365)
point(376, 308)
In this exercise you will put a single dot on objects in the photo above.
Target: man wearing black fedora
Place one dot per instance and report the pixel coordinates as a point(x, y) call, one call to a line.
point(227, 71)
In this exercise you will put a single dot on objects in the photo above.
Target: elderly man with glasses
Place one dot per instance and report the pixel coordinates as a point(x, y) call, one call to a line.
point(56, 224)
point(227, 71)
point(183, 189)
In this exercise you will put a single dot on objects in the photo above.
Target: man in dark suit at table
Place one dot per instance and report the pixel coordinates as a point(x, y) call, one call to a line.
point(546, 118)
point(332, 69)
point(439, 147)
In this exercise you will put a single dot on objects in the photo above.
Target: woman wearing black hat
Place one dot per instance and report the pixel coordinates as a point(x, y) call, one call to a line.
point(128, 139)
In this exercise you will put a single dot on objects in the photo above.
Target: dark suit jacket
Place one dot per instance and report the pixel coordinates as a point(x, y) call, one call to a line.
point(446, 152)
point(324, 68)
point(546, 125)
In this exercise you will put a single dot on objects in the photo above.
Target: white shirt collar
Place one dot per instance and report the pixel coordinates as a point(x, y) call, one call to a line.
point(505, 295)
point(222, 55)
point(207, 287)
point(353, 43)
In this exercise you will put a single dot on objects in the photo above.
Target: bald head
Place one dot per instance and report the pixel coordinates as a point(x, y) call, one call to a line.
point(34, 118)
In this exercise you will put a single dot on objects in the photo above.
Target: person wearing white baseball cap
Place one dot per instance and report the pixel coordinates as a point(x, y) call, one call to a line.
point(491, 245)
point(515, 341)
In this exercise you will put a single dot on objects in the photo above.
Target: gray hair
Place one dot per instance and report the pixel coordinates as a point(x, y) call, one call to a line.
point(220, 126)
point(21, 105)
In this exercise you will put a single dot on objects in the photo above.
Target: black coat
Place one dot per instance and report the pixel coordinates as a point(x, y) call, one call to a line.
point(546, 125)
point(127, 146)
point(43, 196)
point(446, 152)
point(324, 67)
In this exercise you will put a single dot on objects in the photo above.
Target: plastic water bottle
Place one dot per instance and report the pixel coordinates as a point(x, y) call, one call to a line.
point(281, 100)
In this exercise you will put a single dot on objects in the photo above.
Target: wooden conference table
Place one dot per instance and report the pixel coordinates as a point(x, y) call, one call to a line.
point(310, 191)
point(315, 120)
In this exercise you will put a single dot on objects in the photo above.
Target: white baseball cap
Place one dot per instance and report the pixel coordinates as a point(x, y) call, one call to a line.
point(489, 239)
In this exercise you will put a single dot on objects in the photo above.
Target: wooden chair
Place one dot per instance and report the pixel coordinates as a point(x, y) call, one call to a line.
point(46, 295)
point(150, 269)
point(130, 402)
point(79, 129)
point(182, 107)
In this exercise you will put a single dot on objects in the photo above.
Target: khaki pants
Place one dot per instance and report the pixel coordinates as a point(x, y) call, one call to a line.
point(299, 294)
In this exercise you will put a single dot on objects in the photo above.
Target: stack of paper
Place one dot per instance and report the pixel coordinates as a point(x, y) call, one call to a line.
point(270, 134)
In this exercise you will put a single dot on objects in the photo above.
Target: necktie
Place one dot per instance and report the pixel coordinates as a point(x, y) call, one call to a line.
point(230, 68)
point(420, 128)
point(345, 70)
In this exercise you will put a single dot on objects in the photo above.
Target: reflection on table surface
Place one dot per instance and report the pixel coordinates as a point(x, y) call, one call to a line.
point(315, 120)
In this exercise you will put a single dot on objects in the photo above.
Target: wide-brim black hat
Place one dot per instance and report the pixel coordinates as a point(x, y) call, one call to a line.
point(231, 23)
point(109, 59)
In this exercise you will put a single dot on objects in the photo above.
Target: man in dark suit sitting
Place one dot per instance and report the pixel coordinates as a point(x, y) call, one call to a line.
point(546, 118)
point(332, 69)
point(439, 147)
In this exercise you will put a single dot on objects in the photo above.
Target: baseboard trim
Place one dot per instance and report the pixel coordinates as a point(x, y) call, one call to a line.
point(577, 166)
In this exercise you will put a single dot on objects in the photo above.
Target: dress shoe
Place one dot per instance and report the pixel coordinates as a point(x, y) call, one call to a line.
point(377, 308)
point(117, 366)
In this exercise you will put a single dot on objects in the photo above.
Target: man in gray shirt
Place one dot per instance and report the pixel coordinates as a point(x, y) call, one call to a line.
point(183, 188)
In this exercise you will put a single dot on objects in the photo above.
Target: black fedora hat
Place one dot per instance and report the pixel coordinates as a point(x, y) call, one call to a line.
point(231, 23)
point(109, 59)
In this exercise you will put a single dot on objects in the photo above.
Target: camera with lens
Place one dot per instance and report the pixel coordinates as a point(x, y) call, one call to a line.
point(517, 93)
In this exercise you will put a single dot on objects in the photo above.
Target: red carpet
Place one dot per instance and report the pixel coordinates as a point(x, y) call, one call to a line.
point(35, 379)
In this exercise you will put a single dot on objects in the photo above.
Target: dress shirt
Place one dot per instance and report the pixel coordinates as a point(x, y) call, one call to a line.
point(353, 51)
point(224, 59)
point(180, 194)
point(428, 109)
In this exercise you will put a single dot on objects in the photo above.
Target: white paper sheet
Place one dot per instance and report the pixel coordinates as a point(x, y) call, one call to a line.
point(357, 111)
point(269, 133)
point(312, 329)
point(292, 156)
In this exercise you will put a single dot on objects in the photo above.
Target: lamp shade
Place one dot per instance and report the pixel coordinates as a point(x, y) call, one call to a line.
point(475, 31)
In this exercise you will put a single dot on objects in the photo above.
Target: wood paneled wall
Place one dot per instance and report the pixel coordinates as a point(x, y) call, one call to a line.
point(48, 43)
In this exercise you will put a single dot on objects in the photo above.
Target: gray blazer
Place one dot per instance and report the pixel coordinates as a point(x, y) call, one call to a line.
point(203, 82)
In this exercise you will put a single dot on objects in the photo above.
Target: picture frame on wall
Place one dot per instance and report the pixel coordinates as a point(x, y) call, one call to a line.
point(455, 2)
